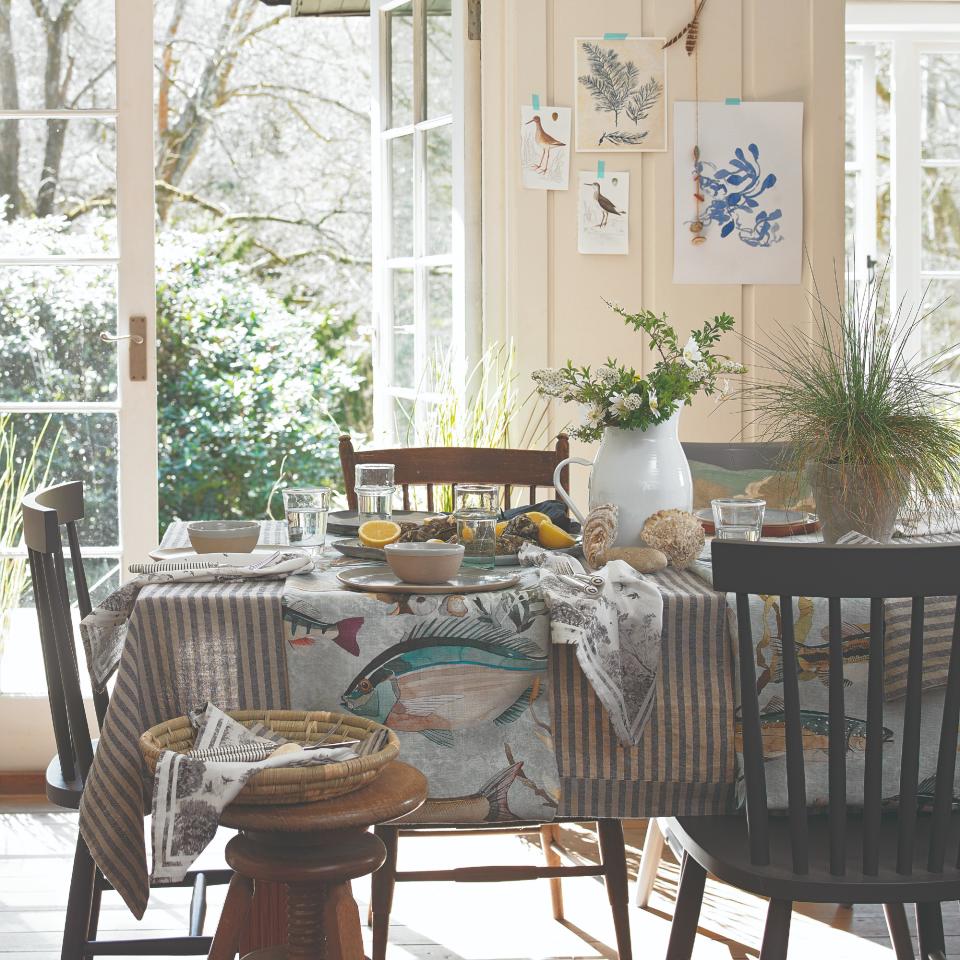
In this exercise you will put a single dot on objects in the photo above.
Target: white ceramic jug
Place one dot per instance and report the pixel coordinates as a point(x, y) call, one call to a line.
point(641, 471)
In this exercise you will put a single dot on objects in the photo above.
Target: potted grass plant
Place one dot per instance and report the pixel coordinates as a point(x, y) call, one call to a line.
point(867, 422)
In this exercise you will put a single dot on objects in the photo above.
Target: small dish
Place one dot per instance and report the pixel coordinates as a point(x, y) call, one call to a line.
point(424, 563)
point(223, 536)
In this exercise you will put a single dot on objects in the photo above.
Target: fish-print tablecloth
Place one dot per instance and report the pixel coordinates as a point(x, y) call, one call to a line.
point(533, 743)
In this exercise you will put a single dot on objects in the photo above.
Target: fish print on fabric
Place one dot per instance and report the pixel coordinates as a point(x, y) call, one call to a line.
point(813, 659)
point(488, 804)
point(343, 633)
point(449, 675)
point(815, 729)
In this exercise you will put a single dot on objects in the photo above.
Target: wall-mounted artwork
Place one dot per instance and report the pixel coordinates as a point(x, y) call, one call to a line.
point(603, 212)
point(545, 148)
point(738, 192)
point(621, 94)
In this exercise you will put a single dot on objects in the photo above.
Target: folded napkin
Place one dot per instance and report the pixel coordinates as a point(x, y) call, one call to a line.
point(614, 617)
point(190, 790)
point(104, 630)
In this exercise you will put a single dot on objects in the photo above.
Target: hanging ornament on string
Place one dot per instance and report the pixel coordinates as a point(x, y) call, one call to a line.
point(692, 33)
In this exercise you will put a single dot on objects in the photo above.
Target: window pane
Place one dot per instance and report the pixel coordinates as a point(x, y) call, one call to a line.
point(404, 424)
point(850, 212)
point(440, 190)
point(78, 446)
point(439, 59)
point(939, 109)
point(399, 25)
point(84, 38)
point(854, 79)
point(439, 317)
point(402, 284)
point(940, 218)
point(404, 359)
point(21, 660)
point(941, 329)
point(63, 207)
point(401, 179)
point(51, 319)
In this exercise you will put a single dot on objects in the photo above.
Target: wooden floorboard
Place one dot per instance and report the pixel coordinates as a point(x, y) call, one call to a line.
point(443, 921)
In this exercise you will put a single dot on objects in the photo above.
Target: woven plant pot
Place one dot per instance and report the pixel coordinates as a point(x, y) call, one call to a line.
point(288, 784)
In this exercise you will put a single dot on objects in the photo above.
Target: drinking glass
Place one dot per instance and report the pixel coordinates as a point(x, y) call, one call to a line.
point(738, 518)
point(476, 515)
point(375, 488)
point(306, 510)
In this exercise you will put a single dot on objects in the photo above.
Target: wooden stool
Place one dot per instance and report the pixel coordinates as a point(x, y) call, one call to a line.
point(316, 849)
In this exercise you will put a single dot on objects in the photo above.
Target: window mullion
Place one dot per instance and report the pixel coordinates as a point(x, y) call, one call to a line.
point(419, 202)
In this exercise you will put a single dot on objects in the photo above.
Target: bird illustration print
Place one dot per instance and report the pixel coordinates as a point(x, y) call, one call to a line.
point(605, 204)
point(545, 142)
point(448, 675)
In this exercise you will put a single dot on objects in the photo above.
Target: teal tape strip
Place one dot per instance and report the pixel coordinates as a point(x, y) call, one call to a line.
point(536, 101)
point(601, 169)
point(733, 101)
point(615, 36)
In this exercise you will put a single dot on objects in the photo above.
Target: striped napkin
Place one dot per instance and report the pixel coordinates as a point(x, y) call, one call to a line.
point(190, 790)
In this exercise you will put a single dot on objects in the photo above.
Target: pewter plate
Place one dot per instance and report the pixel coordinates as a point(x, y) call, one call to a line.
point(381, 580)
point(346, 522)
point(352, 547)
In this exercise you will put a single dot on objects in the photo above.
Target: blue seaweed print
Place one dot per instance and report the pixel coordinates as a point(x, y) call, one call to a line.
point(733, 196)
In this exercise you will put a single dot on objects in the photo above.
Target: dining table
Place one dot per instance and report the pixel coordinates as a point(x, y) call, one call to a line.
point(507, 750)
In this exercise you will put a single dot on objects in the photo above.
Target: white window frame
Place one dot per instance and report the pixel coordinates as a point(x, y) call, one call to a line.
point(912, 29)
point(466, 272)
point(30, 745)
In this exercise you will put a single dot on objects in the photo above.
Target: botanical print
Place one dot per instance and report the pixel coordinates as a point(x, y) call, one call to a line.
point(745, 223)
point(545, 148)
point(603, 212)
point(621, 94)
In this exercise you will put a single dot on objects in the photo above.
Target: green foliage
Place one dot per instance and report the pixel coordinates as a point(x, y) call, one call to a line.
point(246, 380)
point(853, 394)
point(617, 396)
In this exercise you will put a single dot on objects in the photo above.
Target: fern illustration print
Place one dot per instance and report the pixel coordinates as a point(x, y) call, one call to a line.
point(621, 94)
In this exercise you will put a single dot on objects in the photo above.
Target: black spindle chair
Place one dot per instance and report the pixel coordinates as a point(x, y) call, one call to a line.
point(44, 513)
point(873, 854)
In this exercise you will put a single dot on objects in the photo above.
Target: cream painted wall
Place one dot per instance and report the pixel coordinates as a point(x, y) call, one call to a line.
point(542, 294)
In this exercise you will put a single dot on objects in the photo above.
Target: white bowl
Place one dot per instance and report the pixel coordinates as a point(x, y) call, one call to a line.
point(223, 536)
point(425, 563)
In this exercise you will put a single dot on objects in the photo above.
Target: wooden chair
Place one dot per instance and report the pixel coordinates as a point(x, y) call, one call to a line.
point(868, 855)
point(531, 469)
point(433, 467)
point(44, 513)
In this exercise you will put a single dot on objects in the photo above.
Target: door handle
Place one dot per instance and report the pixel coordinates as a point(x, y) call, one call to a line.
point(138, 346)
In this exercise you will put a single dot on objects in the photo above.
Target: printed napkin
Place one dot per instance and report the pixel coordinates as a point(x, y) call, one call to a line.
point(614, 617)
point(190, 790)
point(104, 630)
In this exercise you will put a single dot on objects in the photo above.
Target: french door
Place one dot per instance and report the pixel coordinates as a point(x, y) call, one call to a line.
point(77, 297)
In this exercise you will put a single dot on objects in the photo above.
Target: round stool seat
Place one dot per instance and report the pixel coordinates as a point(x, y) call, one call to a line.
point(315, 850)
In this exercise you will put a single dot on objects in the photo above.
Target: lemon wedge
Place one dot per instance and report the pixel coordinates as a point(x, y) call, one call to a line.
point(501, 526)
point(378, 533)
point(537, 517)
point(552, 537)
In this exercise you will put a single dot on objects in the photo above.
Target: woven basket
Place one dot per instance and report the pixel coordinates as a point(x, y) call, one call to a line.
point(287, 784)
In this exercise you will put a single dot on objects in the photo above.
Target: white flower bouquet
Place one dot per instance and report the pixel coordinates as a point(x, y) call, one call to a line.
point(617, 396)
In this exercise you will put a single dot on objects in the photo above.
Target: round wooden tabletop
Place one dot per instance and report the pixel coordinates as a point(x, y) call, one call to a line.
point(398, 790)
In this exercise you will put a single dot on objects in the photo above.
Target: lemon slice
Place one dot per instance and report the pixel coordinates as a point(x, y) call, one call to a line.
point(552, 537)
point(378, 533)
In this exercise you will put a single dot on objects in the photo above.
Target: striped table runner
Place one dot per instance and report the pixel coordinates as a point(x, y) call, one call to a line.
point(187, 643)
point(685, 764)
